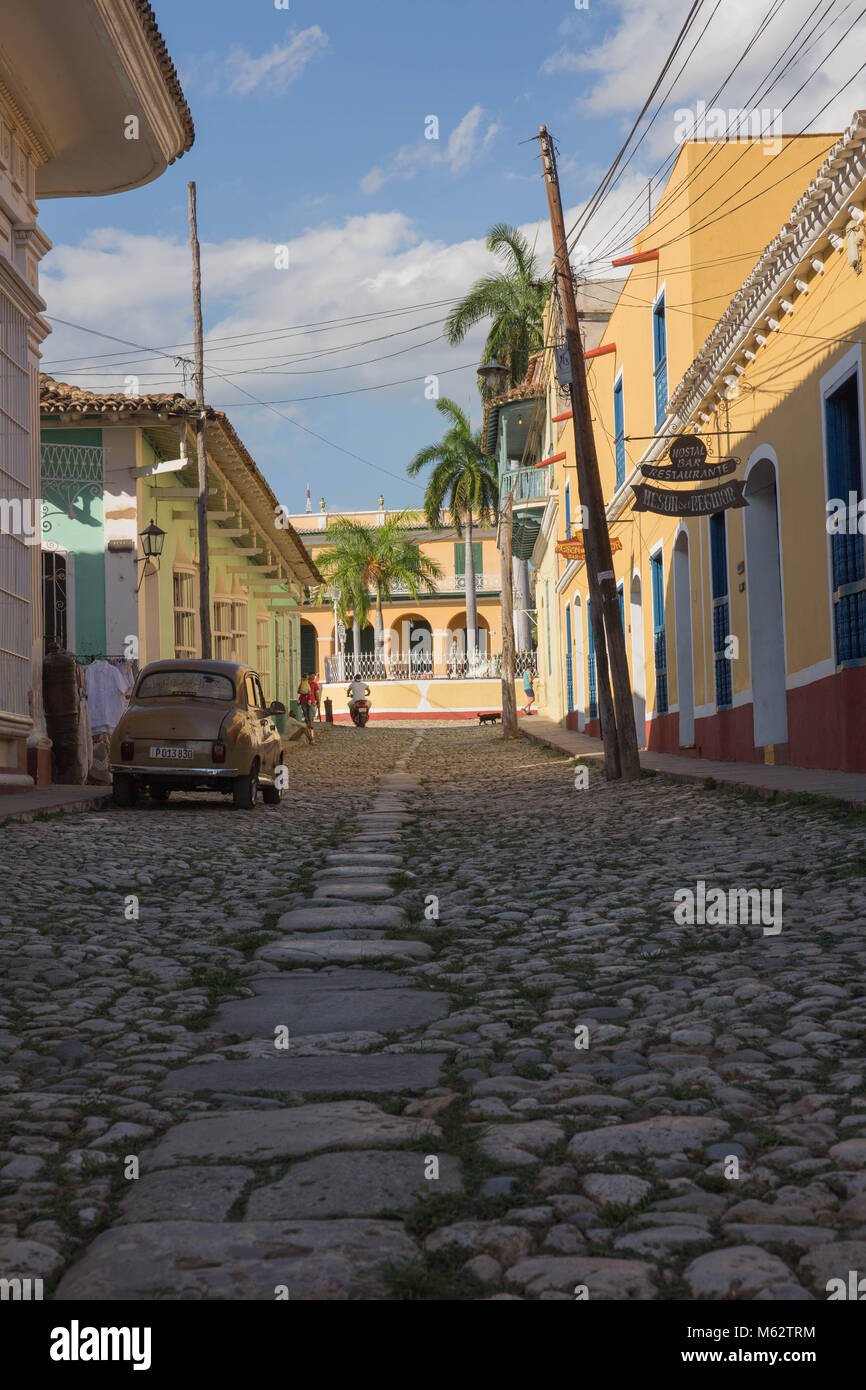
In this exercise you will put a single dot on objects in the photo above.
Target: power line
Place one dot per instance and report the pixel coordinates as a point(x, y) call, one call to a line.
point(620, 237)
point(596, 198)
point(709, 219)
point(263, 335)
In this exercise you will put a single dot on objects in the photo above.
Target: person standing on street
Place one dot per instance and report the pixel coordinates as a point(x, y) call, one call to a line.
point(305, 699)
point(528, 689)
point(316, 692)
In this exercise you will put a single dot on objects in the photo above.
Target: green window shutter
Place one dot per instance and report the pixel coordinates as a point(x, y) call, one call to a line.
point(460, 556)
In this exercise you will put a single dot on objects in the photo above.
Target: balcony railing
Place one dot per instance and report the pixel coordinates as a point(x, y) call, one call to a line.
point(526, 484)
point(422, 665)
point(453, 584)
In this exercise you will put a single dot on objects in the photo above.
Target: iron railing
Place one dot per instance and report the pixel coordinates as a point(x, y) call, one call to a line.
point(526, 484)
point(422, 665)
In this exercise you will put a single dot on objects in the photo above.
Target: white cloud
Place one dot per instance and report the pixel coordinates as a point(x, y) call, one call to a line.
point(357, 266)
point(276, 70)
point(468, 142)
point(620, 68)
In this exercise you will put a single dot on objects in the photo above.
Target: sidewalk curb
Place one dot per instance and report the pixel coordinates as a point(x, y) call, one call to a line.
point(102, 795)
point(766, 793)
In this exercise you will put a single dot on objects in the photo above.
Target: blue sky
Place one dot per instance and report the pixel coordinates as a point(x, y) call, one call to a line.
point(310, 133)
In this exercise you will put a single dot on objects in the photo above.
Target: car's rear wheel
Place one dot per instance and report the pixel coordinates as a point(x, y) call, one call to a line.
point(160, 793)
point(124, 790)
point(272, 796)
point(246, 789)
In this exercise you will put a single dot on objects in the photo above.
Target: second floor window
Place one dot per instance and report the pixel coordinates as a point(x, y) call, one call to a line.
point(619, 431)
point(660, 358)
point(567, 512)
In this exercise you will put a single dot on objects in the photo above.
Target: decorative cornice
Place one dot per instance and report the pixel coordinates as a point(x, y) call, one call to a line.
point(141, 48)
point(37, 140)
point(826, 199)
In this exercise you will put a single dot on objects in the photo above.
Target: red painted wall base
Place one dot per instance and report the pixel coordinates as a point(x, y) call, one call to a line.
point(826, 728)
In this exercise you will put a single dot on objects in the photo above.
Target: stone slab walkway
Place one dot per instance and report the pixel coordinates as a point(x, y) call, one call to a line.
point(307, 1029)
point(849, 787)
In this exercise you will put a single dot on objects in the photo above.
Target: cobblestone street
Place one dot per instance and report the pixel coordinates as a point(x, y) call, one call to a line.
point(430, 1030)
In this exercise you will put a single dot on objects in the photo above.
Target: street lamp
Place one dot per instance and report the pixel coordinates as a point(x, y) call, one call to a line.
point(494, 375)
point(152, 538)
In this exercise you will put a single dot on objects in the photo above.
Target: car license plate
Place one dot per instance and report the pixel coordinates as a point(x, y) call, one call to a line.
point(182, 754)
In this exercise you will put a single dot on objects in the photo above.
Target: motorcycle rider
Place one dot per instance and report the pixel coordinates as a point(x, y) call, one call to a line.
point(357, 691)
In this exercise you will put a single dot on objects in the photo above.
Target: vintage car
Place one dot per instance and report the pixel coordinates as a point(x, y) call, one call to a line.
point(199, 725)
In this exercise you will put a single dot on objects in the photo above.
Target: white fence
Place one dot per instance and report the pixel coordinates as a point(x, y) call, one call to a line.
point(420, 665)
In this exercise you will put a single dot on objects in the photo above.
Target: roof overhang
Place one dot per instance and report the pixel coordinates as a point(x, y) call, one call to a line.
point(77, 70)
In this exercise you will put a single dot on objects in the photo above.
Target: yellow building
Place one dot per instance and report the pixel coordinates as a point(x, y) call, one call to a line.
point(426, 634)
point(745, 624)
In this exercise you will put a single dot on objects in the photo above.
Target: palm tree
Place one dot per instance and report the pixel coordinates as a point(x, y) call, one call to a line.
point(513, 298)
point(383, 557)
point(343, 571)
point(464, 480)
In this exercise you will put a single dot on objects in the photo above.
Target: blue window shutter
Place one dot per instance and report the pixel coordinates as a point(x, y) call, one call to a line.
point(660, 655)
point(619, 432)
point(848, 554)
point(718, 555)
point(660, 359)
point(567, 511)
point(590, 665)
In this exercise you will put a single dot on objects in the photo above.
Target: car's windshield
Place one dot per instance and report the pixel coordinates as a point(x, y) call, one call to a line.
point(185, 685)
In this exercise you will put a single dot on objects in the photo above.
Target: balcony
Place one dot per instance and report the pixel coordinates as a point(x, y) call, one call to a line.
point(446, 584)
point(530, 485)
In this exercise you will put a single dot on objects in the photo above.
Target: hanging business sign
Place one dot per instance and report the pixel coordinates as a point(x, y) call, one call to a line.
point(688, 463)
point(688, 451)
point(702, 502)
point(689, 473)
point(573, 548)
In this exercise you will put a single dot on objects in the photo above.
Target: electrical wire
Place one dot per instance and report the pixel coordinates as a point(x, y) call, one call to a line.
point(625, 235)
point(709, 219)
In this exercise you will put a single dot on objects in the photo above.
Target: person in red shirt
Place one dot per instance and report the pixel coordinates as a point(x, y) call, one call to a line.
point(316, 693)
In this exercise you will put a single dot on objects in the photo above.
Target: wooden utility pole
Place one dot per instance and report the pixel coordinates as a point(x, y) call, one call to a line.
point(618, 732)
point(200, 437)
point(503, 540)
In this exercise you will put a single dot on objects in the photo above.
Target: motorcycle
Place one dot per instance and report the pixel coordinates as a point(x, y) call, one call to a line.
point(360, 712)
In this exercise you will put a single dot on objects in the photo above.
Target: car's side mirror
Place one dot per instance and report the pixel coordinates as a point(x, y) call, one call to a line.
point(276, 707)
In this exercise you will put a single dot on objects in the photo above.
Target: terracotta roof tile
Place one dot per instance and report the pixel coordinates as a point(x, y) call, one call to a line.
point(167, 68)
point(61, 399)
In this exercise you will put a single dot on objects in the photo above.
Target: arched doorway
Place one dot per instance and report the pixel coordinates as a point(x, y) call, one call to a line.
point(579, 677)
point(766, 616)
point(368, 641)
point(638, 661)
point(683, 622)
point(457, 660)
point(309, 648)
point(569, 672)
